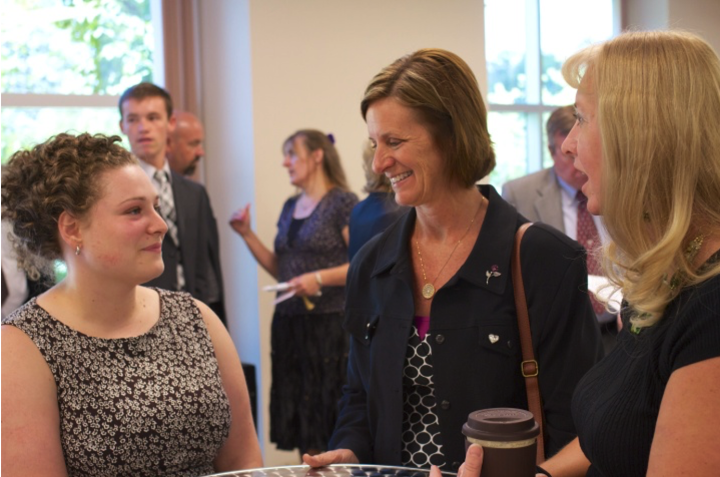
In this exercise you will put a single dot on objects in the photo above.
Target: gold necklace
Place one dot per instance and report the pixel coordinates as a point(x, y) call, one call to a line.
point(428, 289)
point(690, 253)
point(678, 277)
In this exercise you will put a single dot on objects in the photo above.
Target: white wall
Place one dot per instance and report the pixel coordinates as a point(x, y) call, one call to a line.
point(697, 16)
point(302, 64)
point(701, 17)
point(645, 14)
point(229, 175)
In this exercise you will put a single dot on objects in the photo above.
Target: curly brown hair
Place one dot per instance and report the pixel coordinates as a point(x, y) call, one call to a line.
point(58, 175)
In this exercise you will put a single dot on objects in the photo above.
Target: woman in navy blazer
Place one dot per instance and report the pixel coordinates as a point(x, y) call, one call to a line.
point(430, 305)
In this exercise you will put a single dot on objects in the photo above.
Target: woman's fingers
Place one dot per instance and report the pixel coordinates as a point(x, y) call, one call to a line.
point(473, 462)
point(338, 456)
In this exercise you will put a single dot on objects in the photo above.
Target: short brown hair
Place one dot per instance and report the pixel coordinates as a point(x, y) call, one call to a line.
point(58, 175)
point(442, 89)
point(146, 90)
point(561, 121)
point(331, 166)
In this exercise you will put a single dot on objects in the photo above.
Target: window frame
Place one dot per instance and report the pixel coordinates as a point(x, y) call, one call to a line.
point(55, 100)
point(533, 108)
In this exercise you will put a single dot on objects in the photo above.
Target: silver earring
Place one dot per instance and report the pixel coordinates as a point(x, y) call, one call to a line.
point(77, 250)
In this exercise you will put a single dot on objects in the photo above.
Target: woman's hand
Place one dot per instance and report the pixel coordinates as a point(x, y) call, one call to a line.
point(240, 221)
point(305, 285)
point(471, 466)
point(338, 456)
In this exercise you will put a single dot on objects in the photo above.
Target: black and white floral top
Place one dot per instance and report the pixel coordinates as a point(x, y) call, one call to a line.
point(148, 405)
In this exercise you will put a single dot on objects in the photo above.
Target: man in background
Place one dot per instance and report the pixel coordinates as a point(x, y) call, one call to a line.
point(190, 248)
point(554, 196)
point(185, 143)
point(550, 195)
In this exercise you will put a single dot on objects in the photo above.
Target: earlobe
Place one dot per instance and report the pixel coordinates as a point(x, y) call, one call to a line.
point(69, 230)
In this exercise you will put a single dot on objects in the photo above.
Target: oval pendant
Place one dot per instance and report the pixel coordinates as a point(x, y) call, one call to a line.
point(428, 290)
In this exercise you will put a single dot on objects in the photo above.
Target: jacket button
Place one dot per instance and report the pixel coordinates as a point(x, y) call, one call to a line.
point(440, 339)
point(445, 405)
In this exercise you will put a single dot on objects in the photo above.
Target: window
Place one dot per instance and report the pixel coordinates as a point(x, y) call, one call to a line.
point(65, 63)
point(526, 42)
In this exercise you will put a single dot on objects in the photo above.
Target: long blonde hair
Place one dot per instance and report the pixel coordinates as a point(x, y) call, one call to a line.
point(659, 115)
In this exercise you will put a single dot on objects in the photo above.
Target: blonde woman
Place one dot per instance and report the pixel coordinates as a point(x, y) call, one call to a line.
point(648, 137)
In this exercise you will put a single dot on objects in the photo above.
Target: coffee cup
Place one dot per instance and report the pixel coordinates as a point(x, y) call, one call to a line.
point(508, 438)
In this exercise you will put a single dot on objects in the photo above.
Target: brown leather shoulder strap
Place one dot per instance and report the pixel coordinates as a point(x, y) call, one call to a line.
point(529, 366)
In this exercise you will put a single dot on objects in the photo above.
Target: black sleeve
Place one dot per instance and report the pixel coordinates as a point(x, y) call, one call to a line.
point(566, 335)
point(352, 429)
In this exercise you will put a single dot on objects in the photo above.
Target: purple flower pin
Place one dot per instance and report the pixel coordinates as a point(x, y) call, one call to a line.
point(493, 272)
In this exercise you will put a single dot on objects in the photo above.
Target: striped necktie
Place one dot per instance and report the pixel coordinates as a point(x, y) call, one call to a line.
point(588, 236)
point(167, 209)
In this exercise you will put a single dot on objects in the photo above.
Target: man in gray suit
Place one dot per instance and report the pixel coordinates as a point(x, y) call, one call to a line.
point(190, 249)
point(548, 195)
point(551, 196)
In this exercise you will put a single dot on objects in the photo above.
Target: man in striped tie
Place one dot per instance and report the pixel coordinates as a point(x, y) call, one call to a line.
point(191, 246)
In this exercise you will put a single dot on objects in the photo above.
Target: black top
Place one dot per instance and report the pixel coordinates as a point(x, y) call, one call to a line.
point(293, 230)
point(473, 334)
point(371, 216)
point(617, 403)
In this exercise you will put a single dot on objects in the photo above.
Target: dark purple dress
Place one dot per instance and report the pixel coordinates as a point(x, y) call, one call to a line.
point(309, 347)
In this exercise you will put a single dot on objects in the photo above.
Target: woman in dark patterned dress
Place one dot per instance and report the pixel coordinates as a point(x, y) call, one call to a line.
point(100, 375)
point(309, 347)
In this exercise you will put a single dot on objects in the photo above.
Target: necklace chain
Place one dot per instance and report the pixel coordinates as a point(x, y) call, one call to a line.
point(690, 253)
point(678, 277)
point(428, 289)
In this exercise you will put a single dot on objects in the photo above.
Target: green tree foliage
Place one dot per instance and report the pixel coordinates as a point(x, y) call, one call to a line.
point(79, 47)
point(70, 47)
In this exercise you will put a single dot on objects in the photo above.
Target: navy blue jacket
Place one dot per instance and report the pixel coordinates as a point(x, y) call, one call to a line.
point(471, 371)
point(371, 216)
